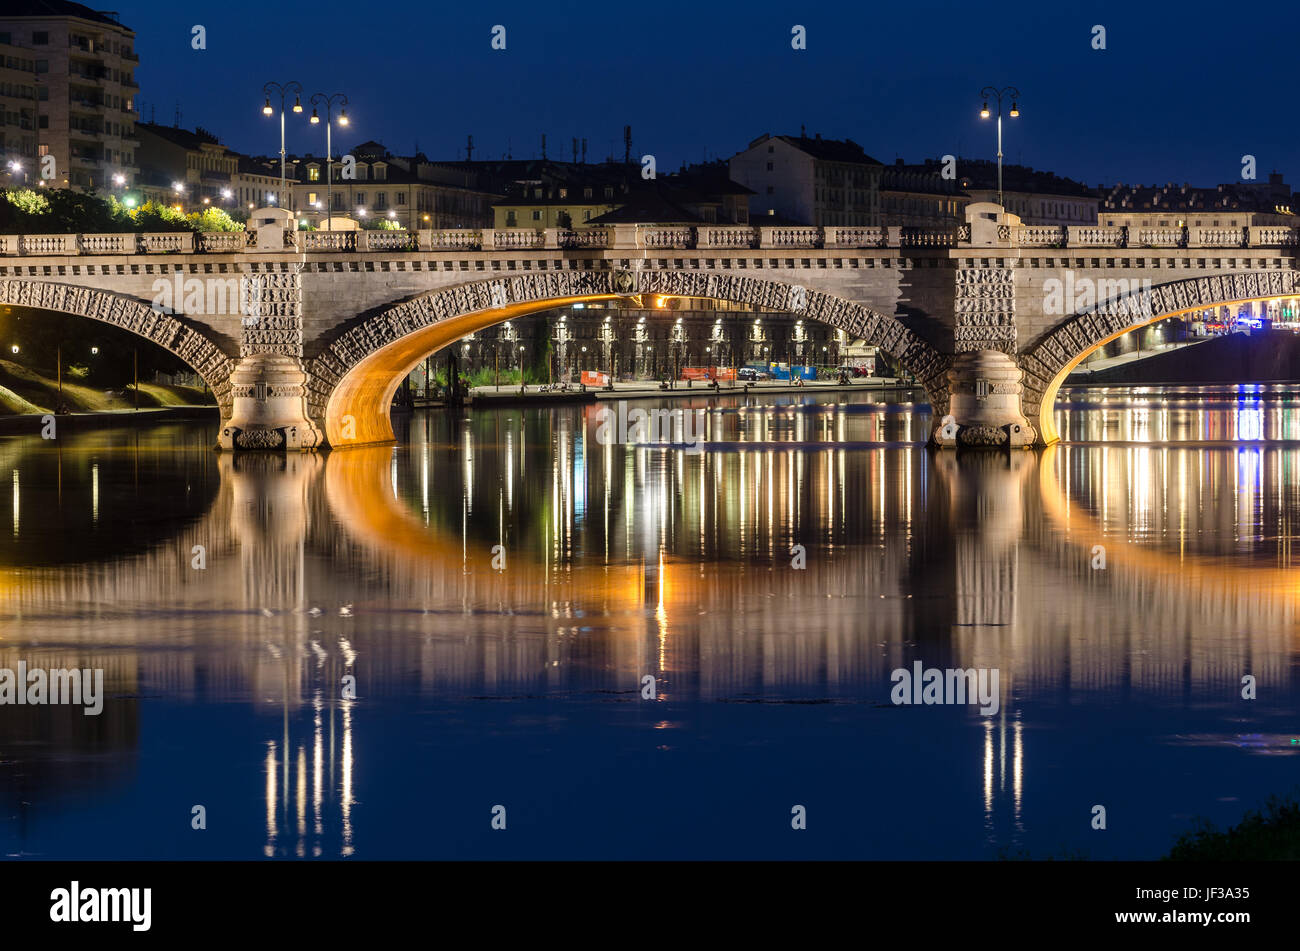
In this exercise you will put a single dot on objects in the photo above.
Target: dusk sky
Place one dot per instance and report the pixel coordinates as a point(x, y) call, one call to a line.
point(1178, 98)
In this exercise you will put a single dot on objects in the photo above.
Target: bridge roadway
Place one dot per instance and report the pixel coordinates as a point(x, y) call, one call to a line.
point(305, 336)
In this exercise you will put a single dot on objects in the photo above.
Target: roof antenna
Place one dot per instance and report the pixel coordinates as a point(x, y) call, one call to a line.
point(469, 148)
point(543, 145)
point(575, 151)
point(177, 123)
point(627, 145)
point(584, 151)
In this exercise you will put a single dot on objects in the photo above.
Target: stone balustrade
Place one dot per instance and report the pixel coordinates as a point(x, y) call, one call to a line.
point(646, 238)
point(1093, 236)
point(216, 241)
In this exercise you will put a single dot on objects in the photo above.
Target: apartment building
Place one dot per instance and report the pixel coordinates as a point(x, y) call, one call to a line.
point(67, 91)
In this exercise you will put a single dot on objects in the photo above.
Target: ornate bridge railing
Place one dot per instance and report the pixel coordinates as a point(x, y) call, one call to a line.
point(645, 238)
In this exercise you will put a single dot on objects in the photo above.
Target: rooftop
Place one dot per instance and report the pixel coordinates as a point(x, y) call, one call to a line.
point(11, 9)
point(826, 150)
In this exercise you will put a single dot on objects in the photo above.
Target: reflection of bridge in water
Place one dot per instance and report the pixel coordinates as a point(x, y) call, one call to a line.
point(994, 571)
point(622, 562)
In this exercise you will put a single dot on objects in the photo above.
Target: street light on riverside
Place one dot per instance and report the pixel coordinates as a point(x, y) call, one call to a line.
point(267, 110)
point(989, 92)
point(328, 102)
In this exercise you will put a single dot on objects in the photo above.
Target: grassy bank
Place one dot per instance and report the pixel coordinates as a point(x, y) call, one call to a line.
point(1270, 834)
point(23, 390)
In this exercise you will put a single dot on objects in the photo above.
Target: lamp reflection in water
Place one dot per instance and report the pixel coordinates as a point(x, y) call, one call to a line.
point(288, 805)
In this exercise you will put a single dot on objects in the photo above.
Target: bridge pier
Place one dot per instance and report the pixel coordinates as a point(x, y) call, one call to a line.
point(269, 406)
point(984, 408)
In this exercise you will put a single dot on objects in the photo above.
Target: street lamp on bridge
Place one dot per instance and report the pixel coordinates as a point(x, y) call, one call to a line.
point(267, 110)
point(989, 92)
point(328, 101)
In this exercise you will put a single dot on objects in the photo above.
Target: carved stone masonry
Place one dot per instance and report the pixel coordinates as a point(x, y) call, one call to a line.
point(272, 321)
point(985, 309)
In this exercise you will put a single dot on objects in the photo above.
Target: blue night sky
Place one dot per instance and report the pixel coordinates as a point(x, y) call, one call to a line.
point(1180, 94)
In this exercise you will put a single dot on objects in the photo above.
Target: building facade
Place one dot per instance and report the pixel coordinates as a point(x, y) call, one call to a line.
point(1234, 205)
point(67, 87)
point(810, 181)
point(406, 190)
point(1036, 197)
point(918, 196)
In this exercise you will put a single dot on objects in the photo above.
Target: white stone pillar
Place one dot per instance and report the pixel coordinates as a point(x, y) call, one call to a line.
point(269, 384)
point(984, 408)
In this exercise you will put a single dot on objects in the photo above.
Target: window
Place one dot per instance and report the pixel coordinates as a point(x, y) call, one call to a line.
point(45, 122)
point(42, 65)
point(41, 38)
point(769, 189)
point(313, 173)
point(769, 166)
point(401, 198)
point(771, 149)
point(586, 193)
point(6, 38)
point(537, 214)
point(381, 201)
point(311, 198)
point(361, 199)
point(511, 222)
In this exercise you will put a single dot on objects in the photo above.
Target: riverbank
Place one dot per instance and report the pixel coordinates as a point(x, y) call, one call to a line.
point(1261, 357)
point(24, 390)
point(647, 390)
point(33, 423)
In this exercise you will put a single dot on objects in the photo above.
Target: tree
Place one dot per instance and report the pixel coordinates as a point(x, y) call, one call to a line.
point(214, 219)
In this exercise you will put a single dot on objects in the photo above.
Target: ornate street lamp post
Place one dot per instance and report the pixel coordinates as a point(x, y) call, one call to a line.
point(283, 91)
point(328, 101)
point(989, 92)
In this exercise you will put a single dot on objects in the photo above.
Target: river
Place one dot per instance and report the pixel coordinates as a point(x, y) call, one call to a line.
point(656, 651)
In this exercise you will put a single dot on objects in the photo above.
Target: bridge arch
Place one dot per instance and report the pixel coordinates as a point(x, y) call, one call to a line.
point(1051, 360)
point(173, 334)
point(358, 373)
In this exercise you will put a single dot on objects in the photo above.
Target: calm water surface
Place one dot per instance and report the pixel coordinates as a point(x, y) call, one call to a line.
point(483, 682)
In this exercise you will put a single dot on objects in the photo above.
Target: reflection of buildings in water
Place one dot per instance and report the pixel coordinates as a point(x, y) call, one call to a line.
point(997, 772)
point(309, 779)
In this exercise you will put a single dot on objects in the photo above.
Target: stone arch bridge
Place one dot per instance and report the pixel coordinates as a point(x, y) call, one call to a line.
point(305, 336)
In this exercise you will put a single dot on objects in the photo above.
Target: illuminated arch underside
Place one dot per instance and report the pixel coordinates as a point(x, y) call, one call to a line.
point(1047, 364)
point(351, 384)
